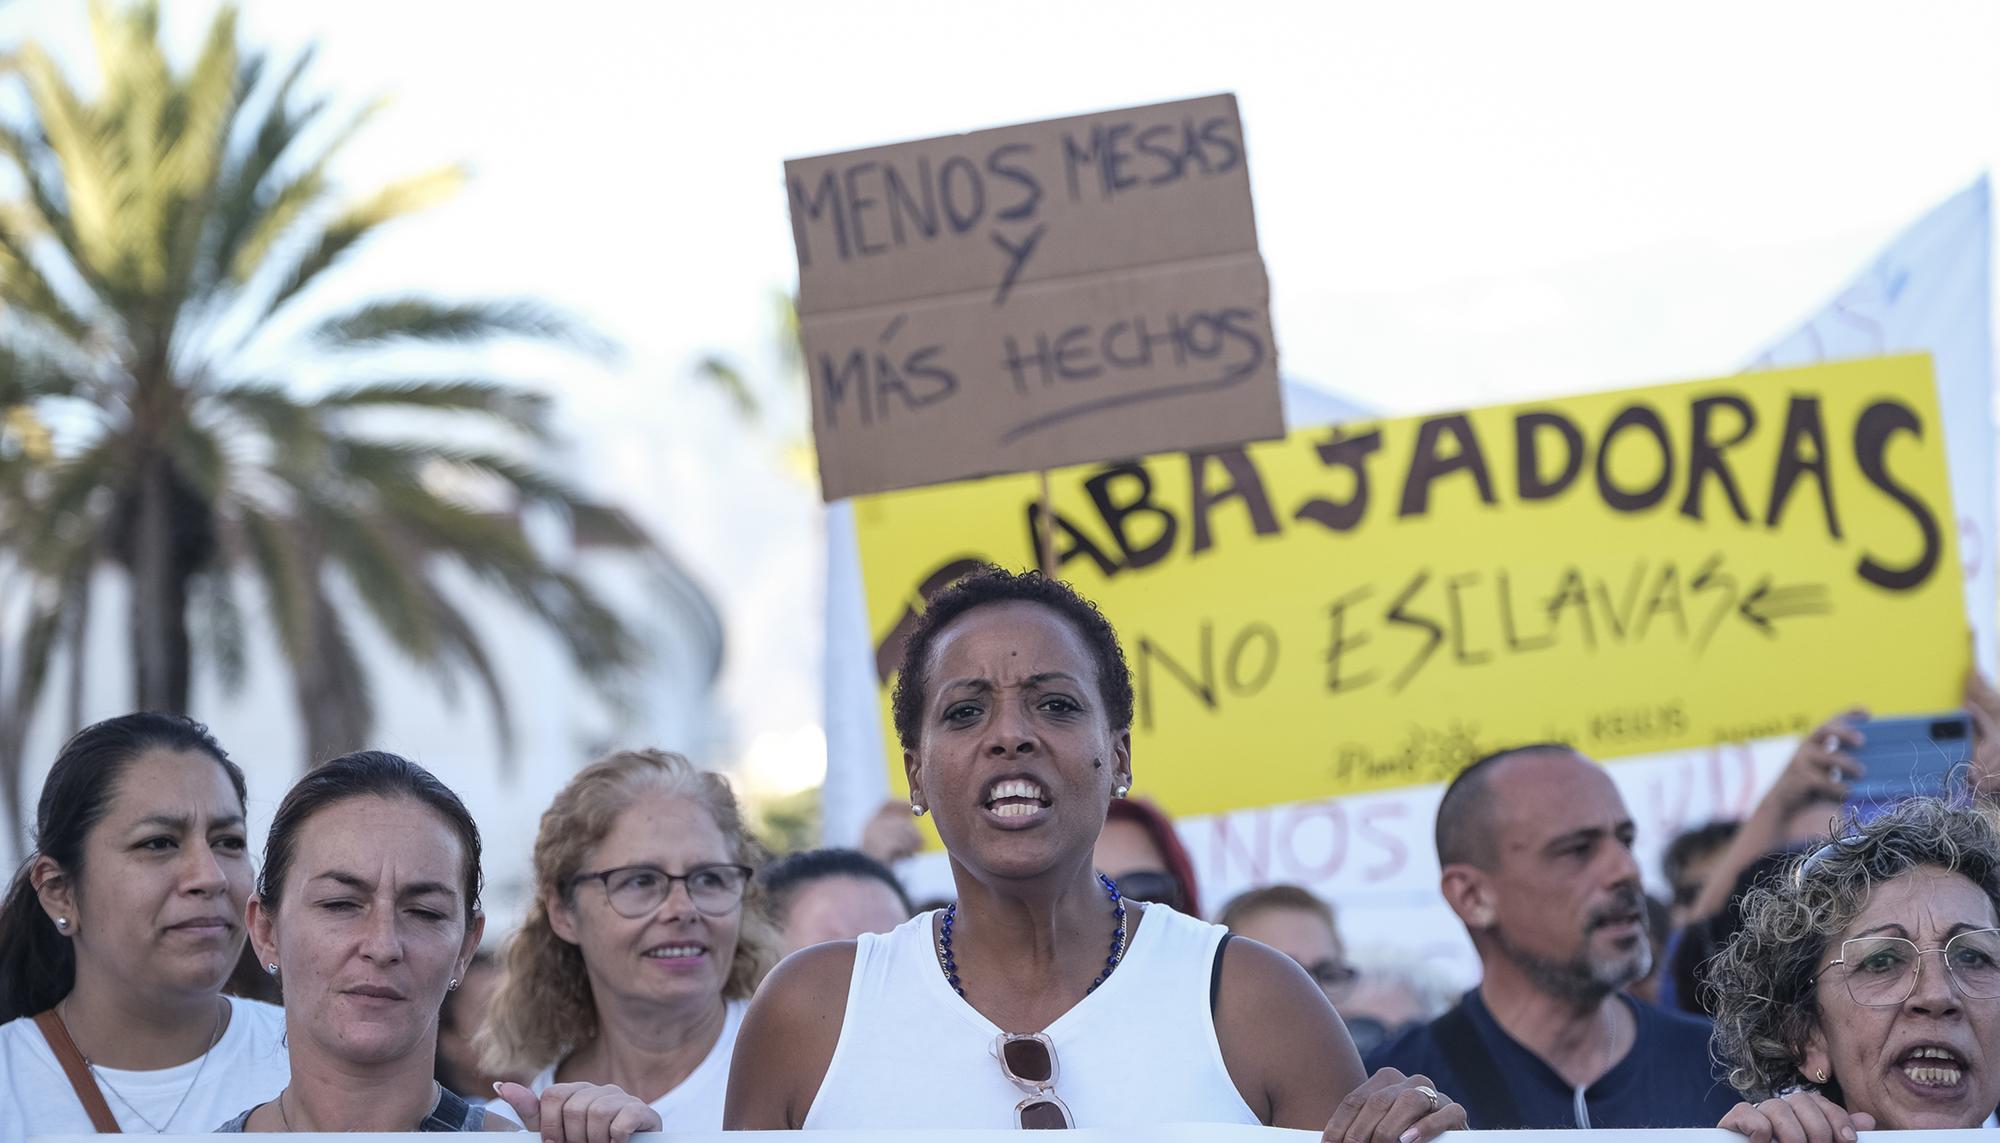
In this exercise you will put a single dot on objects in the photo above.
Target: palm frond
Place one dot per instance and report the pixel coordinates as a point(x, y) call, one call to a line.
point(388, 577)
point(289, 424)
point(86, 215)
point(409, 460)
point(521, 409)
point(24, 286)
point(610, 527)
point(599, 644)
point(275, 560)
point(46, 209)
point(334, 693)
point(191, 166)
point(273, 212)
point(73, 485)
point(722, 373)
point(55, 613)
point(791, 355)
point(238, 204)
point(457, 641)
point(424, 320)
point(494, 549)
point(27, 374)
point(354, 223)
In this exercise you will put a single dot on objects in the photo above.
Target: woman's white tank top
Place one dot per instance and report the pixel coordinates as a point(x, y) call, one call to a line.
point(1139, 1050)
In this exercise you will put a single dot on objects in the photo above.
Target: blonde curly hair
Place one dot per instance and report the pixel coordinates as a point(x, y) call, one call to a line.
point(1766, 1005)
point(543, 1009)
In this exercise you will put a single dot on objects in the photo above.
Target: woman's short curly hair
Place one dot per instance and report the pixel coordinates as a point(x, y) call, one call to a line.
point(993, 584)
point(1765, 1002)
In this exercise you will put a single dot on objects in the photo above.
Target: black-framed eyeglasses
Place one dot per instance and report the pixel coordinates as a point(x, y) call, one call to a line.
point(1881, 972)
point(1030, 1063)
point(636, 890)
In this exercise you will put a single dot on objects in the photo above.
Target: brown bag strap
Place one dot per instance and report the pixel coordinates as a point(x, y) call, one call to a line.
point(78, 1071)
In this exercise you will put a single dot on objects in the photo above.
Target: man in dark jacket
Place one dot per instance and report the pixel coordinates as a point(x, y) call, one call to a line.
point(1535, 848)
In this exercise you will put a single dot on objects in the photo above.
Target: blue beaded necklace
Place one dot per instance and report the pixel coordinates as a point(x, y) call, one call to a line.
point(950, 963)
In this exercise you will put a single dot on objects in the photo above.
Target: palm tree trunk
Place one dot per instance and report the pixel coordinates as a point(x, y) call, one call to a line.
point(160, 648)
point(79, 658)
point(13, 739)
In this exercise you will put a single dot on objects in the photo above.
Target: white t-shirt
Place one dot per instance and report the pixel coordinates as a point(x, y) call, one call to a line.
point(695, 1104)
point(247, 1066)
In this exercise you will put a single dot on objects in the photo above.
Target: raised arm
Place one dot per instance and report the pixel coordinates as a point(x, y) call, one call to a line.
point(1818, 772)
point(787, 1040)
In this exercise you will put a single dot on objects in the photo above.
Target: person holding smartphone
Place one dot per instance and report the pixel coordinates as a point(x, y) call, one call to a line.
point(1816, 784)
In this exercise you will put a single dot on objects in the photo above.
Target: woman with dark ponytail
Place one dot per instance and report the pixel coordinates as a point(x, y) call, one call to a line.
point(116, 937)
point(367, 909)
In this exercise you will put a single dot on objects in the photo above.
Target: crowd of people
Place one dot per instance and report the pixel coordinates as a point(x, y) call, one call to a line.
point(673, 975)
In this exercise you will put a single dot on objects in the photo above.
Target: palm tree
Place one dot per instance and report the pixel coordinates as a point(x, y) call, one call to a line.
point(169, 233)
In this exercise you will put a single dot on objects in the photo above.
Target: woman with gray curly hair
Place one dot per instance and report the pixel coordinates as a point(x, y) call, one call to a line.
point(1829, 1018)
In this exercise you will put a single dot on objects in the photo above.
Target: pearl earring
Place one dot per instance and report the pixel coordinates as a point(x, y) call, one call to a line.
point(919, 809)
point(1121, 791)
point(62, 923)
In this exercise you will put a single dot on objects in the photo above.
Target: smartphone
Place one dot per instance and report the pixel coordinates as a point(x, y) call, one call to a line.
point(1903, 757)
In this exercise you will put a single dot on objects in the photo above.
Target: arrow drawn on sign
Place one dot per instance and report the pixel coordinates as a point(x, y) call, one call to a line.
point(1763, 606)
point(1766, 603)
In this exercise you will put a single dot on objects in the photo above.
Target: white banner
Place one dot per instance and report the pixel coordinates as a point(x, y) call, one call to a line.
point(1149, 1133)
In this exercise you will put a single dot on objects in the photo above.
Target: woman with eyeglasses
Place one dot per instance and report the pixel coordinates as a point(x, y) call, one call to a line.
point(643, 944)
point(1295, 922)
point(1042, 998)
point(1863, 991)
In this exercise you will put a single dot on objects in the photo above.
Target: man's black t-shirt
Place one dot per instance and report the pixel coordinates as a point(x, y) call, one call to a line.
point(1668, 1079)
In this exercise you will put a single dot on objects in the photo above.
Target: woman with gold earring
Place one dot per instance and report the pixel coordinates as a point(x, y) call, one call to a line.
point(117, 936)
point(1863, 991)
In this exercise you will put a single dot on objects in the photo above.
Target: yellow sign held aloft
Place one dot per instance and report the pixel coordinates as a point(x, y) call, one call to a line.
point(1375, 604)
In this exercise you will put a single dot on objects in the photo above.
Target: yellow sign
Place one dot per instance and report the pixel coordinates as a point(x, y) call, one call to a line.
point(1376, 604)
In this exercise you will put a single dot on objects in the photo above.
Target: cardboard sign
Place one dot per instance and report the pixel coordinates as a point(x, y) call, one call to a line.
point(1373, 605)
point(1033, 296)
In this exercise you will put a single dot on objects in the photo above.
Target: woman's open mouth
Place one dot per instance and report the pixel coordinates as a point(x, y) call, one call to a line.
point(1933, 1067)
point(1016, 800)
